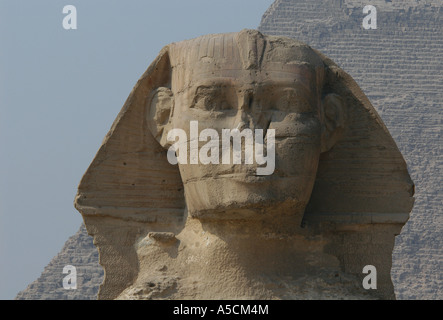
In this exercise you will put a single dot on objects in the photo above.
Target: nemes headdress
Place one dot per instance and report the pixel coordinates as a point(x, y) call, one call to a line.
point(361, 179)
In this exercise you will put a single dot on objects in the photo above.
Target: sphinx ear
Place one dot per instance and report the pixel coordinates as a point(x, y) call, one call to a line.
point(160, 106)
point(333, 120)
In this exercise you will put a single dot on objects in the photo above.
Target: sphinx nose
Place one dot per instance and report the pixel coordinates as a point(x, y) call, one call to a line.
point(241, 125)
point(246, 100)
point(244, 119)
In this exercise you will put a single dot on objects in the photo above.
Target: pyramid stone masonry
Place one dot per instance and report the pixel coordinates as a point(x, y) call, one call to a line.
point(399, 66)
point(78, 251)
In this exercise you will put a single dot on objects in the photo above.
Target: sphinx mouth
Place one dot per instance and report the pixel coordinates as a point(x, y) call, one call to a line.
point(248, 175)
point(244, 177)
point(239, 177)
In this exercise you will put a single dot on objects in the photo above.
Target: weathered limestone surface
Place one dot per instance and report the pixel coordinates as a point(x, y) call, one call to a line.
point(339, 195)
point(400, 68)
point(78, 251)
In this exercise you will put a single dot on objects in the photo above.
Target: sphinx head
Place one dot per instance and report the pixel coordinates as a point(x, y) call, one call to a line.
point(333, 161)
point(333, 155)
point(263, 87)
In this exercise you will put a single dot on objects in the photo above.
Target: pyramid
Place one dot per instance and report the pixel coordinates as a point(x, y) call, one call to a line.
point(78, 251)
point(399, 66)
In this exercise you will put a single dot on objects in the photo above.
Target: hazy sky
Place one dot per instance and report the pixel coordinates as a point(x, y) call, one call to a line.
point(60, 91)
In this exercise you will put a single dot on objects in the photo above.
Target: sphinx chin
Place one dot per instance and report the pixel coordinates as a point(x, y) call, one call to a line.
point(256, 209)
point(253, 199)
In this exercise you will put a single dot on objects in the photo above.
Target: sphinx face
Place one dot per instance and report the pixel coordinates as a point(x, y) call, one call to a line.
point(280, 103)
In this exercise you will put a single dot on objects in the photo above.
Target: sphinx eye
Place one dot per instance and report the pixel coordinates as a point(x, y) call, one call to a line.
point(224, 105)
point(210, 104)
point(210, 99)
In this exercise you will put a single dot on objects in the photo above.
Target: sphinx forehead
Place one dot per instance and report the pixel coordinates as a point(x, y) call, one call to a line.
point(248, 54)
point(247, 49)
